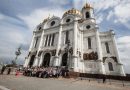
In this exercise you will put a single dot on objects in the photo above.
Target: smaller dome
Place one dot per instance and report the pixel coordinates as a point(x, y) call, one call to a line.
point(73, 11)
point(87, 6)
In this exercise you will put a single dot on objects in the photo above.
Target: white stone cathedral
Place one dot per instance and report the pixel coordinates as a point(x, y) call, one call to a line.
point(74, 41)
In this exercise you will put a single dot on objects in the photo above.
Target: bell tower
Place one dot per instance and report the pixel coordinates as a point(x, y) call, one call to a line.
point(87, 11)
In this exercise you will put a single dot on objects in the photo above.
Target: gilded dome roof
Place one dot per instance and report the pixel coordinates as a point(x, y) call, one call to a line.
point(73, 11)
point(87, 6)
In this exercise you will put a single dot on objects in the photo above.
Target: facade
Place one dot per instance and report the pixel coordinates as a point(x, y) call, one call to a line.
point(74, 41)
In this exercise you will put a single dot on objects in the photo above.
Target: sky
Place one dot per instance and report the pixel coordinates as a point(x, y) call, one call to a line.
point(18, 19)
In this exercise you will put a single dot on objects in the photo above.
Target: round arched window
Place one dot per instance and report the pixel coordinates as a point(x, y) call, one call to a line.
point(52, 23)
point(88, 26)
point(68, 20)
point(40, 28)
point(110, 66)
point(87, 15)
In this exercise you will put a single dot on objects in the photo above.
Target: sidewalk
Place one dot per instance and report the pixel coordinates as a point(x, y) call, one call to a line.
point(3, 88)
point(33, 83)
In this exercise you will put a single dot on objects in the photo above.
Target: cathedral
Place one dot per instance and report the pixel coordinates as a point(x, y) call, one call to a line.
point(75, 41)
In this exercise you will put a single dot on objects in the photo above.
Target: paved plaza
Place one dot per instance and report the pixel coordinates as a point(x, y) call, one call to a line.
point(32, 83)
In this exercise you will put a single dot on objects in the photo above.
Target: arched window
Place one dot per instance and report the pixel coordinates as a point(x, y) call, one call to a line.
point(64, 59)
point(110, 66)
point(87, 15)
point(107, 47)
point(68, 20)
point(46, 60)
point(88, 26)
point(40, 28)
point(89, 43)
point(53, 38)
point(49, 40)
point(52, 23)
point(36, 42)
point(46, 40)
point(31, 61)
point(67, 37)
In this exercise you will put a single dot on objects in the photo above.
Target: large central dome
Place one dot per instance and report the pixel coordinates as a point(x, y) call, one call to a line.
point(73, 11)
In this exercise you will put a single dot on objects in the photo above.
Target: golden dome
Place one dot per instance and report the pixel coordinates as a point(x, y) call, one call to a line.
point(73, 11)
point(87, 6)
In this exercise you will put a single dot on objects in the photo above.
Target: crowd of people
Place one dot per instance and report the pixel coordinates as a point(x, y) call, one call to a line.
point(4, 68)
point(46, 72)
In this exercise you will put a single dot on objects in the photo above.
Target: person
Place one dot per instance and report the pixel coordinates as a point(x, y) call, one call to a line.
point(104, 79)
point(17, 73)
point(54, 72)
point(3, 69)
point(9, 70)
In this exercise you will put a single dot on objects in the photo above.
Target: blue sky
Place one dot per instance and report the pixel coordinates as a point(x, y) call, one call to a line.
point(18, 18)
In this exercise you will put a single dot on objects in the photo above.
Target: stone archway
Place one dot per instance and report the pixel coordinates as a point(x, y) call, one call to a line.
point(31, 61)
point(64, 59)
point(46, 60)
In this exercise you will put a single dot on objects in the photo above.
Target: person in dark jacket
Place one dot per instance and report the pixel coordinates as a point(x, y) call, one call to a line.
point(9, 70)
point(3, 69)
point(104, 79)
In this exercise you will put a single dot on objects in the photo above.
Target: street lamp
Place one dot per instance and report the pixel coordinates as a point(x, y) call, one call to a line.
point(17, 53)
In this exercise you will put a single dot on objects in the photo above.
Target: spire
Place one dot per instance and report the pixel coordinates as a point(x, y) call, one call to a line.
point(87, 6)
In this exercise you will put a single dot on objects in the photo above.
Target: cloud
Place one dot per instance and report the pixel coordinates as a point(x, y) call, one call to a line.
point(39, 15)
point(12, 36)
point(124, 50)
point(105, 5)
point(124, 40)
point(99, 18)
point(15, 34)
point(1, 17)
point(122, 13)
point(78, 4)
point(110, 14)
point(116, 10)
point(59, 2)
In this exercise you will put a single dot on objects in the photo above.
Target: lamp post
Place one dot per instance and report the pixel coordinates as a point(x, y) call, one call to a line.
point(17, 53)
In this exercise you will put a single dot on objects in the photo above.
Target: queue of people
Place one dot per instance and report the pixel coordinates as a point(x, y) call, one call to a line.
point(4, 68)
point(46, 72)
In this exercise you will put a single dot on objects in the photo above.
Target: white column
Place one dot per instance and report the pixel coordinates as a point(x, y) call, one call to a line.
point(32, 42)
point(40, 60)
point(121, 69)
point(26, 62)
point(114, 46)
point(100, 56)
point(35, 61)
point(51, 39)
point(82, 45)
point(56, 58)
point(75, 58)
point(37, 58)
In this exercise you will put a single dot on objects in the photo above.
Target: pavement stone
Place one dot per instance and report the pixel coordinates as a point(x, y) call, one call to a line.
point(32, 83)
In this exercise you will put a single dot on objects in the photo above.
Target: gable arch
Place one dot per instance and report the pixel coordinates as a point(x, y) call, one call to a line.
point(52, 22)
point(71, 17)
point(110, 65)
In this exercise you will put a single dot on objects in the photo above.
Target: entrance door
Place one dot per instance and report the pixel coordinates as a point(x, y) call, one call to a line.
point(64, 59)
point(31, 61)
point(46, 60)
